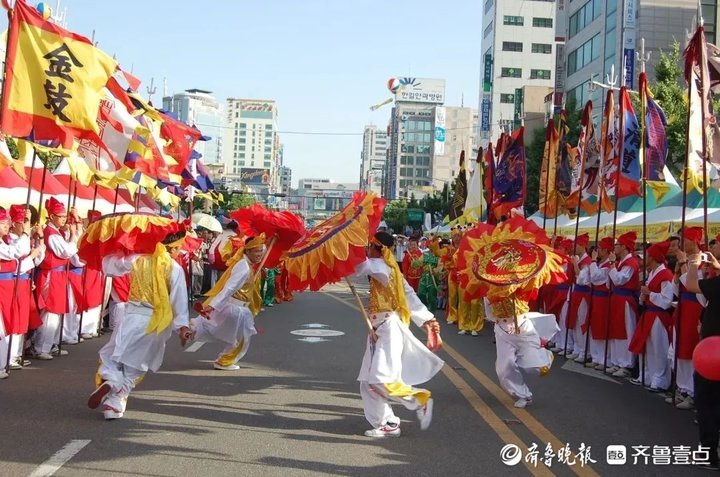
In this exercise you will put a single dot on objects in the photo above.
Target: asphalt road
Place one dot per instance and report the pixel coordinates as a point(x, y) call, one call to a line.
point(293, 409)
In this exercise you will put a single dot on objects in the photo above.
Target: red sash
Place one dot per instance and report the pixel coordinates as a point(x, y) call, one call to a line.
point(52, 280)
point(651, 313)
point(687, 314)
point(579, 294)
point(600, 309)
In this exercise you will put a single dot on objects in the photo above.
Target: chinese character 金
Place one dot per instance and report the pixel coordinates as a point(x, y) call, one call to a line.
point(57, 99)
point(641, 451)
point(532, 455)
point(583, 455)
point(61, 63)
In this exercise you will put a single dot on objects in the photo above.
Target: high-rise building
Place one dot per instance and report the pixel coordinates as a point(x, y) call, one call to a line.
point(518, 49)
point(460, 127)
point(252, 152)
point(414, 136)
point(602, 34)
point(372, 159)
point(285, 179)
point(198, 107)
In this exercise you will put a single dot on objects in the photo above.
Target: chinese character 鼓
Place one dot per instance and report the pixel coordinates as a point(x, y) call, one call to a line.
point(532, 455)
point(681, 455)
point(583, 455)
point(564, 454)
point(641, 451)
point(61, 63)
point(661, 455)
point(57, 99)
point(701, 456)
point(549, 455)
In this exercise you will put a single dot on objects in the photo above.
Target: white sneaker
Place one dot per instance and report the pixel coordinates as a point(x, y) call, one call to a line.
point(388, 430)
point(44, 356)
point(613, 369)
point(87, 336)
point(475, 333)
point(522, 403)
point(231, 367)
point(3, 375)
point(621, 373)
point(572, 356)
point(424, 415)
point(111, 414)
point(70, 342)
point(686, 404)
point(462, 332)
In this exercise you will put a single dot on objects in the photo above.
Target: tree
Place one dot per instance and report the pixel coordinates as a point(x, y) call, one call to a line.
point(395, 215)
point(413, 201)
point(237, 200)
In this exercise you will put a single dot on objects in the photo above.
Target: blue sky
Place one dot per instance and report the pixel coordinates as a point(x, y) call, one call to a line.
point(324, 61)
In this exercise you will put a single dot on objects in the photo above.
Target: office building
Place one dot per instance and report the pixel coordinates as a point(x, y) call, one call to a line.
point(372, 159)
point(199, 108)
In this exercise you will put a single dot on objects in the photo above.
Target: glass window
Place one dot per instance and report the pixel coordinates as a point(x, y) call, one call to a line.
point(426, 137)
point(411, 125)
point(267, 164)
point(542, 22)
point(268, 127)
point(423, 148)
point(507, 98)
point(242, 140)
point(410, 137)
point(242, 125)
point(544, 48)
point(540, 74)
point(513, 20)
point(410, 148)
point(267, 157)
point(512, 46)
point(511, 72)
point(488, 29)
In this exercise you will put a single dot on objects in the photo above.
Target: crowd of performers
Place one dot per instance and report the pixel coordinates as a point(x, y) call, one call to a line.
point(618, 312)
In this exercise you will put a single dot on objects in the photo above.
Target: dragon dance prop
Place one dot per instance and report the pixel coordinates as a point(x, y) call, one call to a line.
point(333, 249)
point(127, 233)
point(511, 260)
point(282, 228)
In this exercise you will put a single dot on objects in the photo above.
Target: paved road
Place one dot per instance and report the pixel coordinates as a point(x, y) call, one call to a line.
point(293, 409)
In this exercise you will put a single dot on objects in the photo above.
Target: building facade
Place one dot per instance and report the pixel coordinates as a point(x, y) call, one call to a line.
point(285, 179)
point(252, 152)
point(604, 36)
point(518, 49)
point(372, 159)
point(416, 132)
point(198, 107)
point(460, 136)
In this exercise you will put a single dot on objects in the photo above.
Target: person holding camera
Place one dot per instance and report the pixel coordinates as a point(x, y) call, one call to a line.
point(707, 392)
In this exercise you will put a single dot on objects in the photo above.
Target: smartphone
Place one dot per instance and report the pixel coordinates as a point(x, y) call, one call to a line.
point(705, 257)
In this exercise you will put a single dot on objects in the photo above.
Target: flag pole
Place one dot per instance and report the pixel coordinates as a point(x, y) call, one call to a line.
point(643, 159)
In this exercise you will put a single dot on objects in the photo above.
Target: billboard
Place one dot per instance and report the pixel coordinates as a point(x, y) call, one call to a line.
point(261, 106)
point(439, 130)
point(253, 176)
point(421, 90)
point(485, 115)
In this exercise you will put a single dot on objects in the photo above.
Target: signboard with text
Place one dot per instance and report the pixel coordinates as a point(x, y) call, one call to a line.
point(439, 146)
point(487, 73)
point(421, 90)
point(485, 115)
point(253, 176)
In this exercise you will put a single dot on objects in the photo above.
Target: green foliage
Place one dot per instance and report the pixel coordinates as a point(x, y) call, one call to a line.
point(12, 146)
point(237, 200)
point(413, 201)
point(395, 215)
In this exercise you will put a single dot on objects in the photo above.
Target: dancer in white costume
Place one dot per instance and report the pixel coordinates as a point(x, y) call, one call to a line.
point(395, 360)
point(228, 314)
point(157, 306)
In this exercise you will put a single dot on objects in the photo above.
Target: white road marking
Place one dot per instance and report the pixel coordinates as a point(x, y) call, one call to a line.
point(316, 332)
point(312, 339)
point(53, 464)
point(194, 347)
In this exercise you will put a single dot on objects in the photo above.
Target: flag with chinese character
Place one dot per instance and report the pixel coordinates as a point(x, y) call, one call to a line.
point(460, 193)
point(563, 178)
point(629, 148)
point(53, 80)
point(548, 194)
point(488, 174)
point(509, 180)
point(656, 141)
point(608, 157)
point(586, 165)
point(703, 130)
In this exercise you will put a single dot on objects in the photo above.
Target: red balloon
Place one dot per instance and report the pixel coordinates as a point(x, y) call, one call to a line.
point(706, 358)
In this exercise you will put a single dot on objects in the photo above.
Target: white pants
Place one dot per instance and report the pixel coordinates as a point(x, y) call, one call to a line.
point(231, 324)
point(120, 376)
point(657, 371)
point(515, 351)
point(376, 404)
point(621, 355)
point(116, 312)
point(683, 373)
point(578, 335)
point(71, 323)
point(560, 337)
point(597, 351)
point(49, 332)
point(91, 321)
point(3, 349)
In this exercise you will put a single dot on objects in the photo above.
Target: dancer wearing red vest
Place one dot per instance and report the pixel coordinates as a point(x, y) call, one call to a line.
point(599, 271)
point(24, 311)
point(52, 283)
point(89, 301)
point(580, 301)
point(652, 333)
point(625, 281)
point(686, 319)
point(412, 273)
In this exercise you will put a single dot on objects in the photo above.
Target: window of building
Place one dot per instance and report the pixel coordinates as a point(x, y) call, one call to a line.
point(540, 74)
point(268, 141)
point(426, 137)
point(410, 137)
point(507, 98)
point(513, 21)
point(423, 148)
point(254, 125)
point(267, 157)
point(584, 54)
point(512, 46)
point(243, 133)
point(242, 125)
point(544, 48)
point(511, 72)
point(242, 148)
point(410, 148)
point(411, 125)
point(268, 127)
point(585, 15)
point(542, 22)
point(488, 5)
point(242, 163)
point(267, 164)
point(268, 149)
point(236, 114)
point(488, 29)
point(242, 140)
